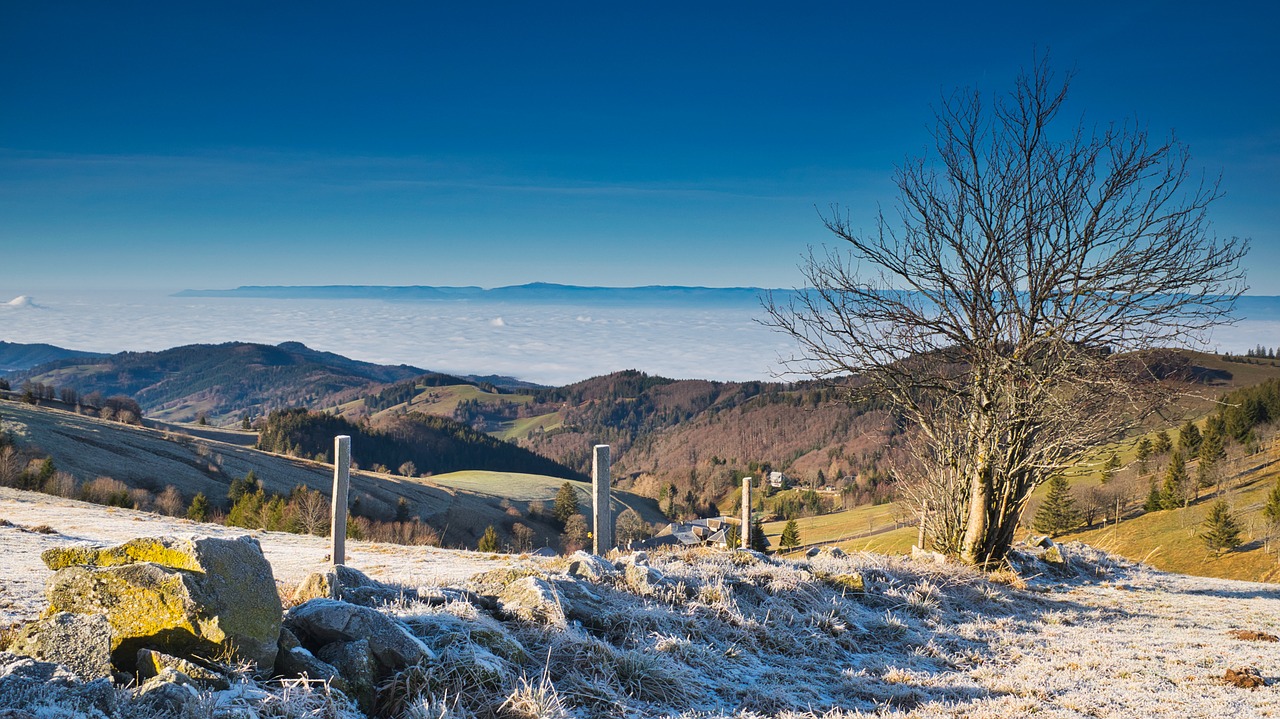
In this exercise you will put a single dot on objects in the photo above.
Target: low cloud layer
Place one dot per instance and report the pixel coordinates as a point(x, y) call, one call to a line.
point(548, 344)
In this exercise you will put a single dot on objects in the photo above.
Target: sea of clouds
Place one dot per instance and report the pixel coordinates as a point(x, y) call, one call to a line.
point(548, 344)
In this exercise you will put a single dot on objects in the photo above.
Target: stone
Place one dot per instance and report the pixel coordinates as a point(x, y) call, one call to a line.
point(643, 579)
point(320, 622)
point(152, 664)
point(181, 595)
point(355, 663)
point(36, 683)
point(80, 642)
point(589, 566)
point(350, 585)
point(169, 690)
point(928, 555)
point(534, 599)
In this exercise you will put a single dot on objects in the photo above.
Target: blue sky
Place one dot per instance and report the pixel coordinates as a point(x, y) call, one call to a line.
point(172, 145)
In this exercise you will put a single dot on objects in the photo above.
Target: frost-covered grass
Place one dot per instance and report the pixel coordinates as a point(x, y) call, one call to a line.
point(702, 633)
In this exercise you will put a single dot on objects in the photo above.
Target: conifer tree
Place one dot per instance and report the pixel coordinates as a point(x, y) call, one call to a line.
point(566, 504)
point(1145, 450)
point(1057, 512)
point(199, 509)
point(1109, 468)
point(488, 541)
point(1153, 503)
point(1221, 530)
point(1189, 439)
point(1173, 492)
point(1211, 453)
point(790, 535)
point(732, 537)
point(1163, 444)
point(1271, 510)
point(758, 542)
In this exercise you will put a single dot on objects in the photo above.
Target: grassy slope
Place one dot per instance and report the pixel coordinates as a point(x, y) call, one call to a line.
point(463, 502)
point(1166, 539)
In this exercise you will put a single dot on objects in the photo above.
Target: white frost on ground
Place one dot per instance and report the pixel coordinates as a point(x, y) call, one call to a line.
point(749, 639)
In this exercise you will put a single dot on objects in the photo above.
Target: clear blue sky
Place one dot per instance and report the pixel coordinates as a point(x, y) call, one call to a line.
point(175, 144)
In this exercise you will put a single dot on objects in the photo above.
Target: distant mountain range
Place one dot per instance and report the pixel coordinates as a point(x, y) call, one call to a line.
point(536, 292)
point(16, 357)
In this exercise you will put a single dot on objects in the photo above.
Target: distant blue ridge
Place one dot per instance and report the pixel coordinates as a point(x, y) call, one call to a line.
point(537, 292)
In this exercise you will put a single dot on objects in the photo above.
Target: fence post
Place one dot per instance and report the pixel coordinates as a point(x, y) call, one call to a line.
point(341, 483)
point(602, 531)
point(746, 513)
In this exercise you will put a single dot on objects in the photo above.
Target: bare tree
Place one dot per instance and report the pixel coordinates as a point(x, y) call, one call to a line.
point(1009, 309)
point(312, 510)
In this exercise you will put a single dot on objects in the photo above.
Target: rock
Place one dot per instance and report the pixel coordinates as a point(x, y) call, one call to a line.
point(349, 585)
point(637, 557)
point(181, 595)
point(534, 599)
point(324, 621)
point(355, 663)
point(170, 690)
point(846, 582)
point(1245, 678)
point(927, 555)
point(436, 596)
point(28, 684)
point(1053, 554)
point(80, 642)
point(643, 579)
point(589, 566)
point(153, 664)
point(1040, 541)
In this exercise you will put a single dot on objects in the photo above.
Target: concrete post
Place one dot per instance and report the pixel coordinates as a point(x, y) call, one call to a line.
point(341, 483)
point(602, 525)
point(746, 513)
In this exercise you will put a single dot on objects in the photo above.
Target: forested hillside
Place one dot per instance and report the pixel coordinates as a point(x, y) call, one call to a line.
point(221, 383)
point(411, 445)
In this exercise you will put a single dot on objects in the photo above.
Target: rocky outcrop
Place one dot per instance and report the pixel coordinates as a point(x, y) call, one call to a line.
point(181, 596)
point(321, 622)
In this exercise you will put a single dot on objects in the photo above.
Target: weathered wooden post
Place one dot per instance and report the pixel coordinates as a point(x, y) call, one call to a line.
point(924, 513)
point(746, 513)
point(602, 531)
point(341, 482)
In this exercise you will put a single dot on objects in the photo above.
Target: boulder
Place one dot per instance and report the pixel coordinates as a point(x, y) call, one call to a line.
point(153, 664)
point(168, 691)
point(30, 685)
point(321, 622)
point(643, 579)
point(589, 566)
point(355, 663)
point(80, 642)
point(534, 599)
point(350, 585)
point(181, 595)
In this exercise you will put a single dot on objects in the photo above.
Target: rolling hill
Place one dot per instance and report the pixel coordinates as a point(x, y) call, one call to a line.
point(15, 356)
point(458, 505)
point(220, 382)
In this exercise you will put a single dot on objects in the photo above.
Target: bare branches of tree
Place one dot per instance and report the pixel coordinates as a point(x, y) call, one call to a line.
point(1013, 306)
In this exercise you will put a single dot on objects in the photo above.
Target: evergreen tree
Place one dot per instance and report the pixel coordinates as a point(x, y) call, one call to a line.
point(733, 537)
point(1163, 444)
point(199, 509)
point(488, 541)
point(758, 542)
point(402, 510)
point(1173, 493)
point(1189, 439)
point(1153, 503)
point(1221, 530)
point(1271, 510)
point(1057, 512)
point(1145, 450)
point(1211, 453)
point(566, 504)
point(242, 486)
point(247, 511)
point(790, 535)
point(1109, 467)
point(577, 533)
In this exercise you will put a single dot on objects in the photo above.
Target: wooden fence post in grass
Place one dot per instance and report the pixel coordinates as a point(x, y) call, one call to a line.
point(341, 482)
point(924, 514)
point(746, 513)
point(602, 531)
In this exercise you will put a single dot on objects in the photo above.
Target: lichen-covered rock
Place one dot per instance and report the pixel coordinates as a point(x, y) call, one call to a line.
point(320, 622)
point(534, 599)
point(589, 566)
point(182, 595)
point(80, 642)
point(352, 586)
point(153, 664)
point(642, 579)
